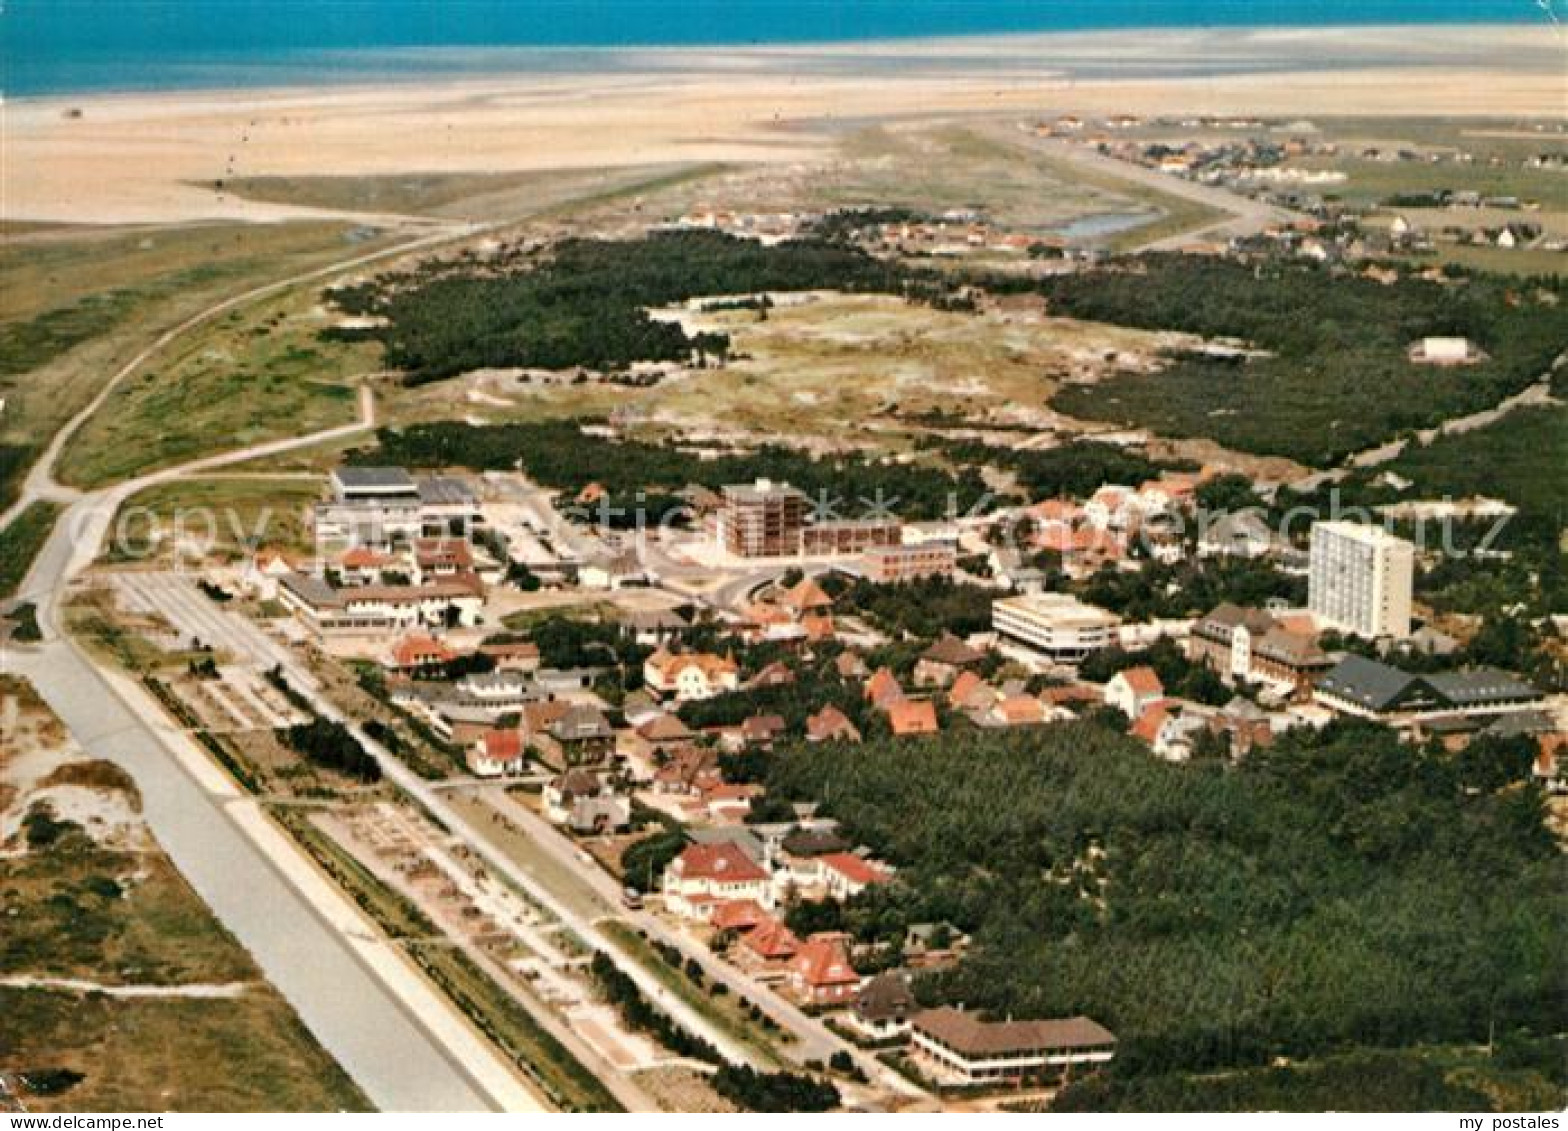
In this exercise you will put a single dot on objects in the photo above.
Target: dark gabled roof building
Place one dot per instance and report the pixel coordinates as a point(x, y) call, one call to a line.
point(958, 1048)
point(1375, 690)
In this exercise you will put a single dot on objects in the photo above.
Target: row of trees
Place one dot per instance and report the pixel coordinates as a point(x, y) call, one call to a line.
point(330, 745)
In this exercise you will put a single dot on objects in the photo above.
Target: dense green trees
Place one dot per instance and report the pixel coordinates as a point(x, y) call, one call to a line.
point(329, 744)
point(774, 1091)
point(1340, 889)
point(1336, 377)
point(586, 302)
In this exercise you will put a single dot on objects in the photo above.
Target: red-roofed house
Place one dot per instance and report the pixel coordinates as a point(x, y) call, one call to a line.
point(738, 915)
point(882, 688)
point(820, 972)
point(418, 650)
point(1133, 690)
point(912, 717)
point(769, 944)
point(1148, 724)
point(831, 725)
point(705, 873)
point(845, 875)
point(497, 752)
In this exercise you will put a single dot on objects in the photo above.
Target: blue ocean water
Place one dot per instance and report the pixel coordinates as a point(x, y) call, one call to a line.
point(56, 46)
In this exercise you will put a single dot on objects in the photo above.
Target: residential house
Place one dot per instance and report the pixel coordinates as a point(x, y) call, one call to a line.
point(497, 752)
point(883, 689)
point(512, 656)
point(820, 972)
point(940, 664)
point(911, 717)
point(584, 803)
point(831, 725)
point(704, 875)
point(845, 875)
point(1134, 689)
point(883, 1007)
point(417, 650)
point(691, 675)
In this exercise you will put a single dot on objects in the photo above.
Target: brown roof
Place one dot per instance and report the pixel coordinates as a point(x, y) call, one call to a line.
point(830, 722)
point(966, 1033)
point(950, 650)
point(886, 997)
point(806, 595)
point(665, 728)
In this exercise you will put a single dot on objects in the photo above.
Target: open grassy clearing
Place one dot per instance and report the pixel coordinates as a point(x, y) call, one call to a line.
point(252, 376)
point(228, 516)
point(86, 894)
point(21, 541)
point(249, 1053)
point(824, 368)
point(79, 304)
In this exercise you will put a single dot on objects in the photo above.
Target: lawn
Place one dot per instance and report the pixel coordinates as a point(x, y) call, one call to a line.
point(228, 516)
point(21, 541)
point(249, 1053)
point(78, 304)
point(252, 376)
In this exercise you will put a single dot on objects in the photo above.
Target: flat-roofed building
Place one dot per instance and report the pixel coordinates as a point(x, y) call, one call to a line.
point(1360, 578)
point(448, 506)
point(762, 519)
point(370, 506)
point(957, 1048)
point(1056, 626)
point(892, 564)
point(850, 536)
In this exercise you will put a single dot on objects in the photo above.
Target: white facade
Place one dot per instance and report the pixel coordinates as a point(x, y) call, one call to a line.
point(1360, 579)
point(1055, 625)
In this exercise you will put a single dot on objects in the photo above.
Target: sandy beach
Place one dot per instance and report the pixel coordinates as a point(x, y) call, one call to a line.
point(155, 157)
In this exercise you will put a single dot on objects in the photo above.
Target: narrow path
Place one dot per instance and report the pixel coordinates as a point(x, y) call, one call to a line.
point(82, 986)
point(41, 483)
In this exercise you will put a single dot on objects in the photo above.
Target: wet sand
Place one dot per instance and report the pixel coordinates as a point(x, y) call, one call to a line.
point(154, 157)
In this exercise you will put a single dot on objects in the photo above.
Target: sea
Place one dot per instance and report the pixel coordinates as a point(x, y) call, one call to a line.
point(52, 47)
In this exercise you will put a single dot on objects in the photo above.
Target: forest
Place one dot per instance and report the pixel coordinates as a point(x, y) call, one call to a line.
point(1339, 891)
point(558, 453)
point(1334, 376)
point(1073, 470)
point(585, 303)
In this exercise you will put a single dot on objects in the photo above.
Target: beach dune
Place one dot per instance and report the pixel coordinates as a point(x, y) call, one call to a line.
point(163, 157)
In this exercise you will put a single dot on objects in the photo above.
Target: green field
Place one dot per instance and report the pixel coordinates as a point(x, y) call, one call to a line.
point(228, 515)
point(466, 196)
point(21, 541)
point(79, 303)
point(248, 378)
